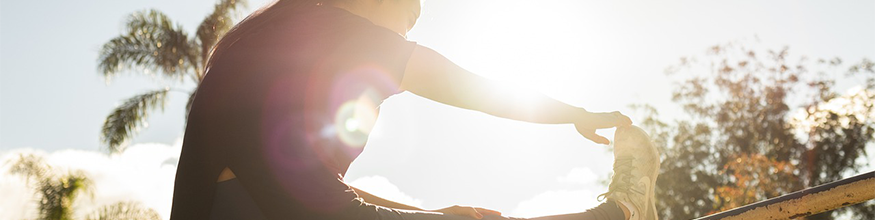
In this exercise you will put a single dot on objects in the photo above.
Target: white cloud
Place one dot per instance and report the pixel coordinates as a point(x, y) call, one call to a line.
point(17, 198)
point(564, 201)
point(380, 186)
point(556, 202)
point(143, 173)
point(579, 175)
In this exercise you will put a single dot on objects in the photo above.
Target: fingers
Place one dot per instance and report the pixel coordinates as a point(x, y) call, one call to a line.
point(487, 211)
point(599, 121)
point(591, 135)
point(622, 120)
point(472, 212)
point(607, 120)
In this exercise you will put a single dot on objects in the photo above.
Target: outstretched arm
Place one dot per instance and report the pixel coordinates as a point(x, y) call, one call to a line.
point(433, 76)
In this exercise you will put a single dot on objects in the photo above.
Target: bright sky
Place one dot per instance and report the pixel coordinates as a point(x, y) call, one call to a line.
point(600, 55)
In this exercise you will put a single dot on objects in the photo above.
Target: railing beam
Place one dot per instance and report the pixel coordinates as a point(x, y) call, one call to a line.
point(806, 202)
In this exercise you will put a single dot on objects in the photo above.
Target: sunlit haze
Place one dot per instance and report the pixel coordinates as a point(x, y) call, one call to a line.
point(599, 55)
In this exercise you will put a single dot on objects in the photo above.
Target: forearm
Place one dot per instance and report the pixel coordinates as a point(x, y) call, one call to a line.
point(432, 76)
point(517, 103)
point(376, 200)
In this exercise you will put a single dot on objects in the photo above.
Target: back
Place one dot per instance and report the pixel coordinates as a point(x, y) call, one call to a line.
point(268, 106)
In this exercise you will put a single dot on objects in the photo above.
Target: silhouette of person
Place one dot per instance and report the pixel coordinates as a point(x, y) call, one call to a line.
point(291, 93)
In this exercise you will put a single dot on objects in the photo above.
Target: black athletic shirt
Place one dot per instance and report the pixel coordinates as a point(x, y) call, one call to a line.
point(273, 107)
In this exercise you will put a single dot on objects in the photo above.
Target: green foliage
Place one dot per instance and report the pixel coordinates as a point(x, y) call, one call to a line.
point(216, 25)
point(744, 142)
point(124, 211)
point(56, 190)
point(58, 195)
point(31, 166)
point(152, 43)
point(128, 118)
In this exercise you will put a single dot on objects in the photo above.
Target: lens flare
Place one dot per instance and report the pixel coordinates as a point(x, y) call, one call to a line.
point(355, 97)
point(316, 124)
point(355, 119)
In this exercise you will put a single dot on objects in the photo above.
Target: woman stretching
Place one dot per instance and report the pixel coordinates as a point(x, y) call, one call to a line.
point(292, 92)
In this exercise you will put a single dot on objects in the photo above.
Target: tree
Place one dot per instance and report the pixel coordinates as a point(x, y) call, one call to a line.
point(124, 211)
point(153, 44)
point(742, 140)
point(56, 190)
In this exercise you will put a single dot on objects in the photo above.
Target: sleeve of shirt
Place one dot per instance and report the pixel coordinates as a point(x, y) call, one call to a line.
point(378, 46)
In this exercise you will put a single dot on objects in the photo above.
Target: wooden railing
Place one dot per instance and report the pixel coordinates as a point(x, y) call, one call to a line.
point(807, 202)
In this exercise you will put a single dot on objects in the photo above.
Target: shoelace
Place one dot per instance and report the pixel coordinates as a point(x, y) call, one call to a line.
point(622, 180)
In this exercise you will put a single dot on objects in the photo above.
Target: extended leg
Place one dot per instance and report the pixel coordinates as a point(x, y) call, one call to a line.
point(630, 194)
point(606, 211)
point(609, 210)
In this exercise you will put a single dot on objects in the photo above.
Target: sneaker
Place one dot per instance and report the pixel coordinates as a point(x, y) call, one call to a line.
point(636, 165)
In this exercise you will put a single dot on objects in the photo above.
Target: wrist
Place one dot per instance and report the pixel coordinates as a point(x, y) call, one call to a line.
point(580, 115)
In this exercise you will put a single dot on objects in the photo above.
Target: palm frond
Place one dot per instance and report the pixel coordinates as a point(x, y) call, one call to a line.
point(31, 166)
point(129, 117)
point(153, 43)
point(124, 210)
point(59, 193)
point(215, 25)
point(56, 191)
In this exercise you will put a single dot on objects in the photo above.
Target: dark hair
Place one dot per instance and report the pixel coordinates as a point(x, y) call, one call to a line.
point(259, 18)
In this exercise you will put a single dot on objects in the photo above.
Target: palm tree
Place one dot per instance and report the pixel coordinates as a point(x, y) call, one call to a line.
point(153, 44)
point(124, 211)
point(56, 190)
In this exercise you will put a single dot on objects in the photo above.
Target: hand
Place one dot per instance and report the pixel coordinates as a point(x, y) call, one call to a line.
point(587, 124)
point(473, 212)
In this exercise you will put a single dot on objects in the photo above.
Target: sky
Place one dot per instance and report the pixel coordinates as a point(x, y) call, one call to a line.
point(600, 55)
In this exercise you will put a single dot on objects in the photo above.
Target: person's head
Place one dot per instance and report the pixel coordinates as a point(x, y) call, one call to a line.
point(396, 15)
